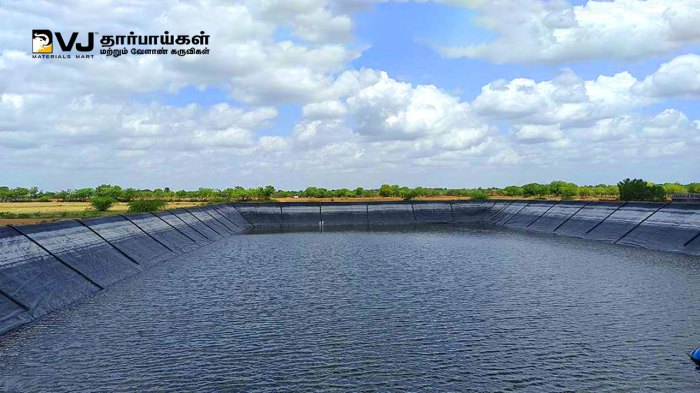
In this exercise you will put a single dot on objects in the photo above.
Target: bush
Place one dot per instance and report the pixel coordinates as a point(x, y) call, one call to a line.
point(513, 191)
point(409, 195)
point(479, 195)
point(146, 205)
point(102, 203)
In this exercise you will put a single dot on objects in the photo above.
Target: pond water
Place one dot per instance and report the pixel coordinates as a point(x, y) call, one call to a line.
point(419, 309)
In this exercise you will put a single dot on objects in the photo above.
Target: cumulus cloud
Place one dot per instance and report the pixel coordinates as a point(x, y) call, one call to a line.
point(539, 31)
point(678, 78)
point(566, 99)
point(106, 119)
point(249, 60)
point(375, 121)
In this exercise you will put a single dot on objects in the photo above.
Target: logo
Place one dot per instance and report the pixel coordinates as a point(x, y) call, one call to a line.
point(42, 41)
point(66, 44)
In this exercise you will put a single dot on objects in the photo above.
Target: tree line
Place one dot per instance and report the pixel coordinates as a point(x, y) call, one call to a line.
point(628, 189)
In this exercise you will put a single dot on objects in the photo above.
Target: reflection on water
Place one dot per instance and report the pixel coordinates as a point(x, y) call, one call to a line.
point(419, 309)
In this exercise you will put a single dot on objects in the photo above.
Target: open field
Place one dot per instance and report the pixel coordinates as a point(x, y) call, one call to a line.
point(19, 213)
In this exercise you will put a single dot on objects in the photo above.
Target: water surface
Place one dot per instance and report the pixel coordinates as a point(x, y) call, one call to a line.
point(432, 309)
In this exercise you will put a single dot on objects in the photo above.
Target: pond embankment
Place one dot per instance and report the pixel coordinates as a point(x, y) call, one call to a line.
point(45, 267)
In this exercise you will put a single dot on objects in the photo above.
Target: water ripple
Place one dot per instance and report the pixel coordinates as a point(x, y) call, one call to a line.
point(435, 309)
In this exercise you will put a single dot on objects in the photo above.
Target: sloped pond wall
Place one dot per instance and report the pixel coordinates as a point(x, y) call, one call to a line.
point(46, 267)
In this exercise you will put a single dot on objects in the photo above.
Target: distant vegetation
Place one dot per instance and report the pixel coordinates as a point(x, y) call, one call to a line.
point(627, 189)
point(146, 205)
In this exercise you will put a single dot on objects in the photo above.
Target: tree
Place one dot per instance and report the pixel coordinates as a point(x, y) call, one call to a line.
point(535, 189)
point(675, 188)
point(387, 190)
point(513, 191)
point(585, 192)
point(563, 189)
point(694, 187)
point(568, 190)
point(408, 194)
point(5, 194)
point(640, 190)
point(107, 190)
point(479, 195)
point(267, 192)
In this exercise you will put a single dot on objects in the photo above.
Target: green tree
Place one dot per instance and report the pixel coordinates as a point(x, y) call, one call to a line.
point(674, 188)
point(479, 195)
point(585, 192)
point(640, 190)
point(267, 192)
point(408, 194)
point(82, 194)
point(535, 190)
point(5, 194)
point(387, 190)
point(513, 191)
point(107, 190)
point(568, 190)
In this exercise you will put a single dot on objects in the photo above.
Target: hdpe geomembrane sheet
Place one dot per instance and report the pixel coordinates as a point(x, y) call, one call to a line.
point(556, 216)
point(530, 213)
point(622, 221)
point(83, 250)
point(261, 215)
point(344, 214)
point(588, 218)
point(209, 220)
point(301, 215)
point(433, 212)
point(35, 278)
point(390, 213)
point(196, 224)
point(131, 240)
point(162, 232)
point(668, 229)
point(183, 228)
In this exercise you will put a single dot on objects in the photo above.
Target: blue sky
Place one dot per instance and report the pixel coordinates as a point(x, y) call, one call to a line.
point(323, 92)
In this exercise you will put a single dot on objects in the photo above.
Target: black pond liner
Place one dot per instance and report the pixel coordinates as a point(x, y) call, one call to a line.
point(46, 267)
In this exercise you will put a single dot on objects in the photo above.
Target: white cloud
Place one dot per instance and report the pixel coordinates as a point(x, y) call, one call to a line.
point(538, 31)
point(326, 109)
point(529, 133)
point(393, 109)
point(679, 77)
point(566, 99)
point(671, 124)
point(105, 119)
point(246, 58)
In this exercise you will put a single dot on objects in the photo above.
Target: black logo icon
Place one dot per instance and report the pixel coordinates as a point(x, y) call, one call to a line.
point(42, 41)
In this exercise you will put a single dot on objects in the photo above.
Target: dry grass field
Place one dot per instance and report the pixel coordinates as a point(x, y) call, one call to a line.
point(19, 213)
